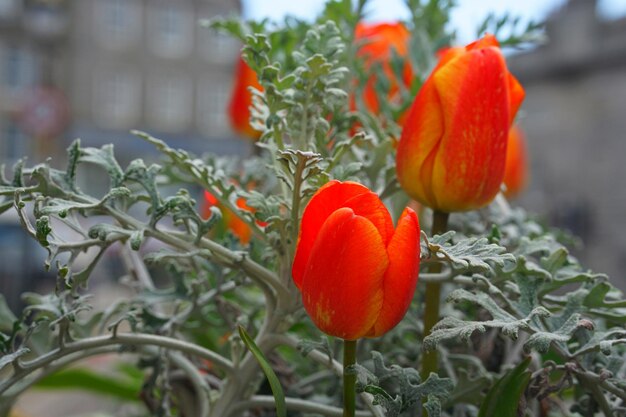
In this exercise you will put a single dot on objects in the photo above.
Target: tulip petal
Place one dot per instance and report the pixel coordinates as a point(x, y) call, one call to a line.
point(328, 199)
point(446, 54)
point(516, 95)
point(401, 276)
point(484, 42)
point(342, 284)
point(380, 38)
point(516, 171)
point(469, 165)
point(241, 100)
point(419, 144)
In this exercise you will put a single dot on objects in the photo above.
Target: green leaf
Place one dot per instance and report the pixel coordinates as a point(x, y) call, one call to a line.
point(471, 255)
point(7, 318)
point(62, 207)
point(277, 389)
point(603, 341)
point(85, 379)
point(42, 227)
point(503, 398)
point(307, 346)
point(7, 359)
point(453, 328)
point(541, 341)
point(73, 155)
point(597, 297)
point(404, 388)
point(104, 158)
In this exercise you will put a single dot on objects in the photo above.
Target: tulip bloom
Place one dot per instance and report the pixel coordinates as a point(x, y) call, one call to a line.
point(516, 170)
point(241, 100)
point(356, 273)
point(378, 41)
point(452, 151)
point(237, 226)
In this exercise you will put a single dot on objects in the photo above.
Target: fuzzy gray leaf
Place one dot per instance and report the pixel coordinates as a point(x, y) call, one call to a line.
point(470, 255)
point(603, 341)
point(7, 359)
point(400, 389)
point(541, 341)
point(454, 328)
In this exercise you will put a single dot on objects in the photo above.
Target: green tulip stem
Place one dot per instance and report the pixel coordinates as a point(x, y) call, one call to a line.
point(349, 378)
point(432, 299)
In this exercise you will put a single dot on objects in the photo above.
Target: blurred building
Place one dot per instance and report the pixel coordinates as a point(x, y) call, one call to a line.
point(95, 69)
point(115, 65)
point(576, 127)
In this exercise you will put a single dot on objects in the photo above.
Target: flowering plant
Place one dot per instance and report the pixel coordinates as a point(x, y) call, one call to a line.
point(215, 325)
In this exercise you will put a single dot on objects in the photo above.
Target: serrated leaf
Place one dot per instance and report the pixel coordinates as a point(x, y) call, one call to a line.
point(468, 387)
point(104, 158)
point(62, 207)
point(597, 297)
point(407, 389)
point(541, 341)
point(306, 346)
point(603, 341)
point(503, 398)
point(277, 389)
point(147, 178)
point(7, 359)
point(469, 255)
point(451, 328)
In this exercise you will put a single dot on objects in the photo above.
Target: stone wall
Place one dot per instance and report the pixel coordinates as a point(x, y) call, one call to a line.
point(575, 122)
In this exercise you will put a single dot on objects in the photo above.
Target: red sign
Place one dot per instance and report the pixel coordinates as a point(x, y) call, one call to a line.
point(45, 112)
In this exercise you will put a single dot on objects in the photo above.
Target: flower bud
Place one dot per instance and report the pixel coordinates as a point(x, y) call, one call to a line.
point(378, 40)
point(452, 151)
point(356, 273)
point(241, 100)
point(516, 170)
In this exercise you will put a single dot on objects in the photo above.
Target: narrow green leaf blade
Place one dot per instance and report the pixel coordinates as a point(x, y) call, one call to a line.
point(503, 398)
point(80, 378)
point(277, 389)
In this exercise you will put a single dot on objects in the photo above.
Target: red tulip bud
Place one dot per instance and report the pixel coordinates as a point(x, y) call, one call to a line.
point(516, 170)
point(452, 152)
point(356, 273)
point(241, 100)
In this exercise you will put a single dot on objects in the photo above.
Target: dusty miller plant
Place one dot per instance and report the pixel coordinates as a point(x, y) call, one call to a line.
point(526, 330)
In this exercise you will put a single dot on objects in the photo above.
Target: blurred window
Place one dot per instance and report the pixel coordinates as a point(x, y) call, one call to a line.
point(15, 142)
point(171, 29)
point(211, 114)
point(10, 9)
point(170, 103)
point(117, 99)
point(117, 23)
point(217, 48)
point(20, 67)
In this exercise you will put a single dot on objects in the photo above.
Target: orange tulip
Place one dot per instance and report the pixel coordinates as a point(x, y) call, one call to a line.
point(516, 170)
point(241, 100)
point(356, 273)
point(378, 41)
point(452, 151)
point(237, 226)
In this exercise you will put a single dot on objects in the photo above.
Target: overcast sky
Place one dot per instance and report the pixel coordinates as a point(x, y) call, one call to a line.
point(465, 18)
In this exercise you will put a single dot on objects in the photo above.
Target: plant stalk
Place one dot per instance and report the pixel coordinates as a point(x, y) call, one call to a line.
point(349, 378)
point(432, 298)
